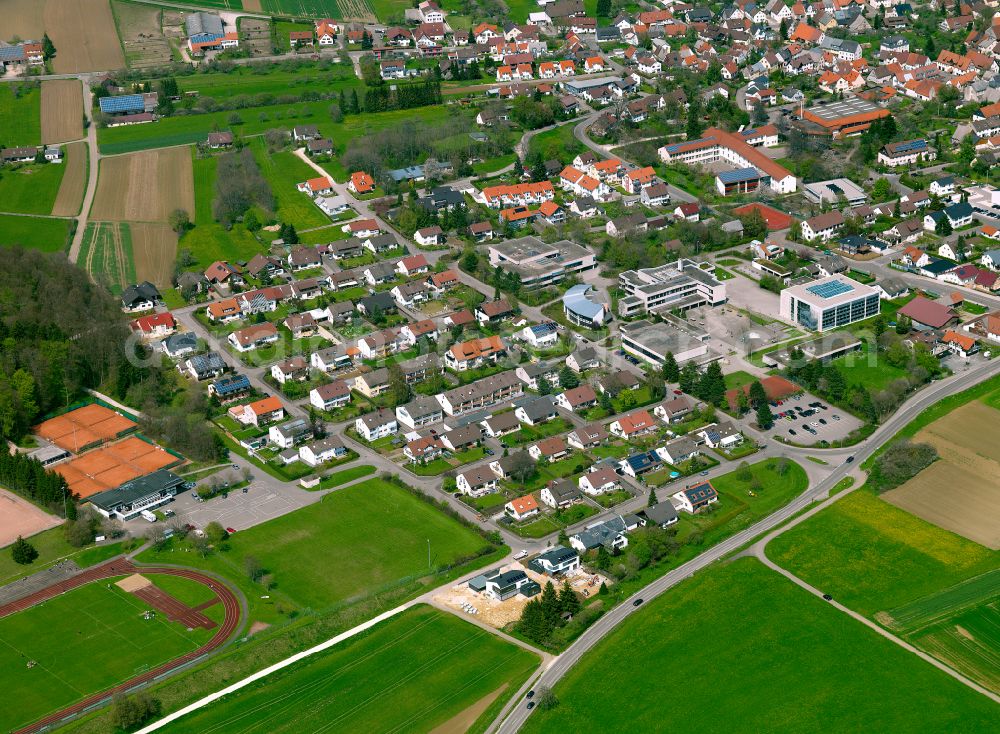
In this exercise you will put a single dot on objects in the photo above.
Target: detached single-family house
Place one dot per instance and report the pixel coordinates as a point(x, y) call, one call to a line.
point(695, 498)
point(521, 508)
point(477, 481)
point(376, 425)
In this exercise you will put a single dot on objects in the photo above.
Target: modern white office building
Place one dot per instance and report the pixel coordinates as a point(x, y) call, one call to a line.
point(829, 303)
point(540, 264)
point(681, 285)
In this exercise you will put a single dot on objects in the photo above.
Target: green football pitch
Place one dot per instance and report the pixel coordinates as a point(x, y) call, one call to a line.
point(82, 642)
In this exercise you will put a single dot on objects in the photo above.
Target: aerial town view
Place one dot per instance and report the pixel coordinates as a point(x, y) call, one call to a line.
point(497, 366)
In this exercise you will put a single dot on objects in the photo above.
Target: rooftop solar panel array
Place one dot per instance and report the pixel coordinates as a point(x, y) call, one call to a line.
point(910, 145)
point(122, 103)
point(740, 174)
point(831, 289)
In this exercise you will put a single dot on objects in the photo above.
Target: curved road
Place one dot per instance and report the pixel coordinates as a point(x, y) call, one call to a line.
point(516, 712)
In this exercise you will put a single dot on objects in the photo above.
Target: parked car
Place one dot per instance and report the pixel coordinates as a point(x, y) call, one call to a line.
point(230, 530)
point(791, 431)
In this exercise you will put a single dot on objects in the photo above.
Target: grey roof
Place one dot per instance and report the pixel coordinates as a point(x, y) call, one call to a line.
point(662, 513)
point(136, 489)
point(178, 342)
point(540, 408)
point(576, 300)
point(209, 362)
point(202, 22)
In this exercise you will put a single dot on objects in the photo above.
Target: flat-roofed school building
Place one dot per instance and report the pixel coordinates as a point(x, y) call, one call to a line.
point(829, 303)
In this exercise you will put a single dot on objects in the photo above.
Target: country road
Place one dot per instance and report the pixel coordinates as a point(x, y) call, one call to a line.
point(512, 718)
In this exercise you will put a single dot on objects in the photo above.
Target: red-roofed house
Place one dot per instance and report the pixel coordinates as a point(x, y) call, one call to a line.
point(319, 186)
point(361, 183)
point(413, 265)
point(960, 343)
point(633, 424)
point(155, 326)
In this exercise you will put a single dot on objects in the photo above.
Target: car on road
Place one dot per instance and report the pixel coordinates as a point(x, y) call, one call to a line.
point(704, 473)
point(637, 602)
point(850, 459)
point(246, 490)
point(531, 705)
point(531, 694)
point(489, 452)
point(827, 597)
point(517, 557)
point(230, 530)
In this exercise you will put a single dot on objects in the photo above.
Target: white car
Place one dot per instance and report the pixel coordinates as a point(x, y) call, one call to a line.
point(520, 554)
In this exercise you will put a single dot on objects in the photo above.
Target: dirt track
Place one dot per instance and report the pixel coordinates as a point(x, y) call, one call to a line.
point(20, 517)
point(154, 249)
point(62, 110)
point(74, 182)
point(145, 186)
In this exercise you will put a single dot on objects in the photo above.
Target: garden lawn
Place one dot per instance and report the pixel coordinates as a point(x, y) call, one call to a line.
point(30, 188)
point(95, 637)
point(413, 672)
point(47, 235)
point(351, 543)
point(209, 241)
point(345, 476)
point(873, 556)
point(246, 80)
point(186, 129)
point(869, 369)
point(20, 116)
point(283, 171)
point(558, 143)
point(792, 663)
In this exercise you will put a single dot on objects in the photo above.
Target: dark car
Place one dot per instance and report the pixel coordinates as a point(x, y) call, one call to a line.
point(637, 602)
point(827, 597)
point(489, 452)
point(823, 421)
point(531, 694)
point(531, 705)
point(792, 431)
point(850, 459)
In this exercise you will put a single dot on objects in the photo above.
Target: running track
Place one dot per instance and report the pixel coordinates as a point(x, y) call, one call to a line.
point(124, 567)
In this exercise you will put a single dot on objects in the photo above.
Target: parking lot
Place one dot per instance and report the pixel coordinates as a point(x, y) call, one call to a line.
point(806, 419)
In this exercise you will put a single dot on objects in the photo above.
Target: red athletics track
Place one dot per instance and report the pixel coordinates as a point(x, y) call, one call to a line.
point(124, 567)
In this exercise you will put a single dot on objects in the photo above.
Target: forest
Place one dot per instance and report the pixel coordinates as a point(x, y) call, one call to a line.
point(59, 335)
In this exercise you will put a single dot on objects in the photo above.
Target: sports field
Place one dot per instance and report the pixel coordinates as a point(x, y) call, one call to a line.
point(94, 637)
point(415, 672)
point(353, 542)
point(47, 235)
point(20, 115)
point(739, 648)
point(959, 492)
point(74, 181)
point(144, 187)
point(112, 465)
point(30, 188)
point(62, 110)
point(19, 517)
point(106, 253)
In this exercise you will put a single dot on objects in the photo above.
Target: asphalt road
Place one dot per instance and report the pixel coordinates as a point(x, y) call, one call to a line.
point(516, 713)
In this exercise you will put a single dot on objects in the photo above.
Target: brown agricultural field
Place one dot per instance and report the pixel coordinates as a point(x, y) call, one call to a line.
point(74, 181)
point(83, 31)
point(141, 34)
point(154, 248)
point(144, 186)
point(252, 6)
point(23, 18)
point(62, 110)
point(959, 491)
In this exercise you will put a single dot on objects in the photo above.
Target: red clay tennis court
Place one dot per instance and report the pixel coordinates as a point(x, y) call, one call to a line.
point(87, 426)
point(113, 465)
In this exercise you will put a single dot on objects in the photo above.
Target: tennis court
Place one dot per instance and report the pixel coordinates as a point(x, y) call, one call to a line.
point(84, 427)
point(113, 465)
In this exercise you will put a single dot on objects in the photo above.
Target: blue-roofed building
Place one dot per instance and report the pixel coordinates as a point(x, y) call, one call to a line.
point(123, 104)
point(829, 303)
point(906, 153)
point(230, 387)
point(410, 173)
point(740, 181)
point(581, 309)
point(12, 55)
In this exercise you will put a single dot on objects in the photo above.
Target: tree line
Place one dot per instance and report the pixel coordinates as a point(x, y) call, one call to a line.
point(403, 96)
point(29, 478)
point(59, 335)
point(239, 185)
